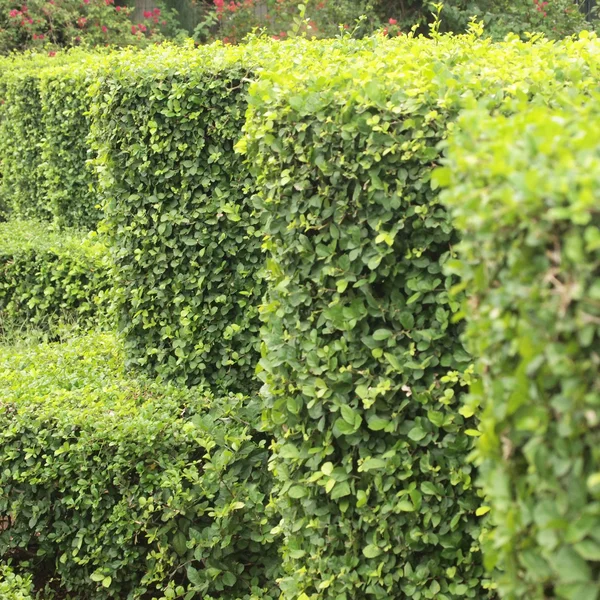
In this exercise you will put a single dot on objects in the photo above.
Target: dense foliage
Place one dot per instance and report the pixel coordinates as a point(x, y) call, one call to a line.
point(362, 360)
point(47, 279)
point(186, 241)
point(120, 488)
point(524, 196)
point(323, 153)
point(43, 138)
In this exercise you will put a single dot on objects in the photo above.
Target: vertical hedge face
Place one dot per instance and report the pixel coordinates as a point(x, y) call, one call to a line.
point(362, 361)
point(524, 191)
point(363, 367)
point(69, 183)
point(187, 246)
point(23, 182)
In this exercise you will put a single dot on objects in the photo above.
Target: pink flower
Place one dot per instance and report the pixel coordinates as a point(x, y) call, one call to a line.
point(393, 22)
point(219, 5)
point(147, 14)
point(133, 29)
point(142, 27)
point(118, 8)
point(156, 11)
point(104, 29)
point(14, 12)
point(81, 22)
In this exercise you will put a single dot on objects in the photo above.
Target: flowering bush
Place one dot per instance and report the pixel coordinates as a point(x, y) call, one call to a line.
point(50, 24)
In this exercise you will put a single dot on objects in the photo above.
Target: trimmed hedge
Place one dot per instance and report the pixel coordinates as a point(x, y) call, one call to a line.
point(121, 488)
point(47, 278)
point(21, 136)
point(362, 361)
point(70, 185)
point(524, 193)
point(44, 128)
point(186, 242)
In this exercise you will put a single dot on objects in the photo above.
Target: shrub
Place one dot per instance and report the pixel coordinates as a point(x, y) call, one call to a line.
point(362, 361)
point(53, 24)
point(523, 192)
point(48, 278)
point(14, 586)
point(186, 241)
point(121, 488)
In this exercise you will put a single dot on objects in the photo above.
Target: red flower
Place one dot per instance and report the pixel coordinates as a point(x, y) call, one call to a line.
point(104, 29)
point(118, 8)
point(14, 12)
point(133, 29)
point(385, 31)
point(52, 53)
point(156, 11)
point(81, 22)
point(142, 27)
point(393, 22)
point(219, 5)
point(147, 14)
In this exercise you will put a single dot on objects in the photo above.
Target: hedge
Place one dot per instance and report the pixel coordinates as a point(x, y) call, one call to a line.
point(122, 488)
point(523, 191)
point(44, 127)
point(48, 278)
point(362, 361)
point(186, 241)
point(21, 135)
point(70, 185)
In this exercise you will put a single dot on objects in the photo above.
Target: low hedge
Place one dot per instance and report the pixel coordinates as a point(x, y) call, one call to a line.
point(362, 360)
point(47, 278)
point(523, 191)
point(121, 488)
point(186, 241)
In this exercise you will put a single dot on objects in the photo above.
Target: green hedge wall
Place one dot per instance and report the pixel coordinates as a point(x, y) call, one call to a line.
point(363, 364)
point(524, 193)
point(48, 278)
point(44, 128)
point(121, 488)
point(21, 136)
point(70, 185)
point(186, 241)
